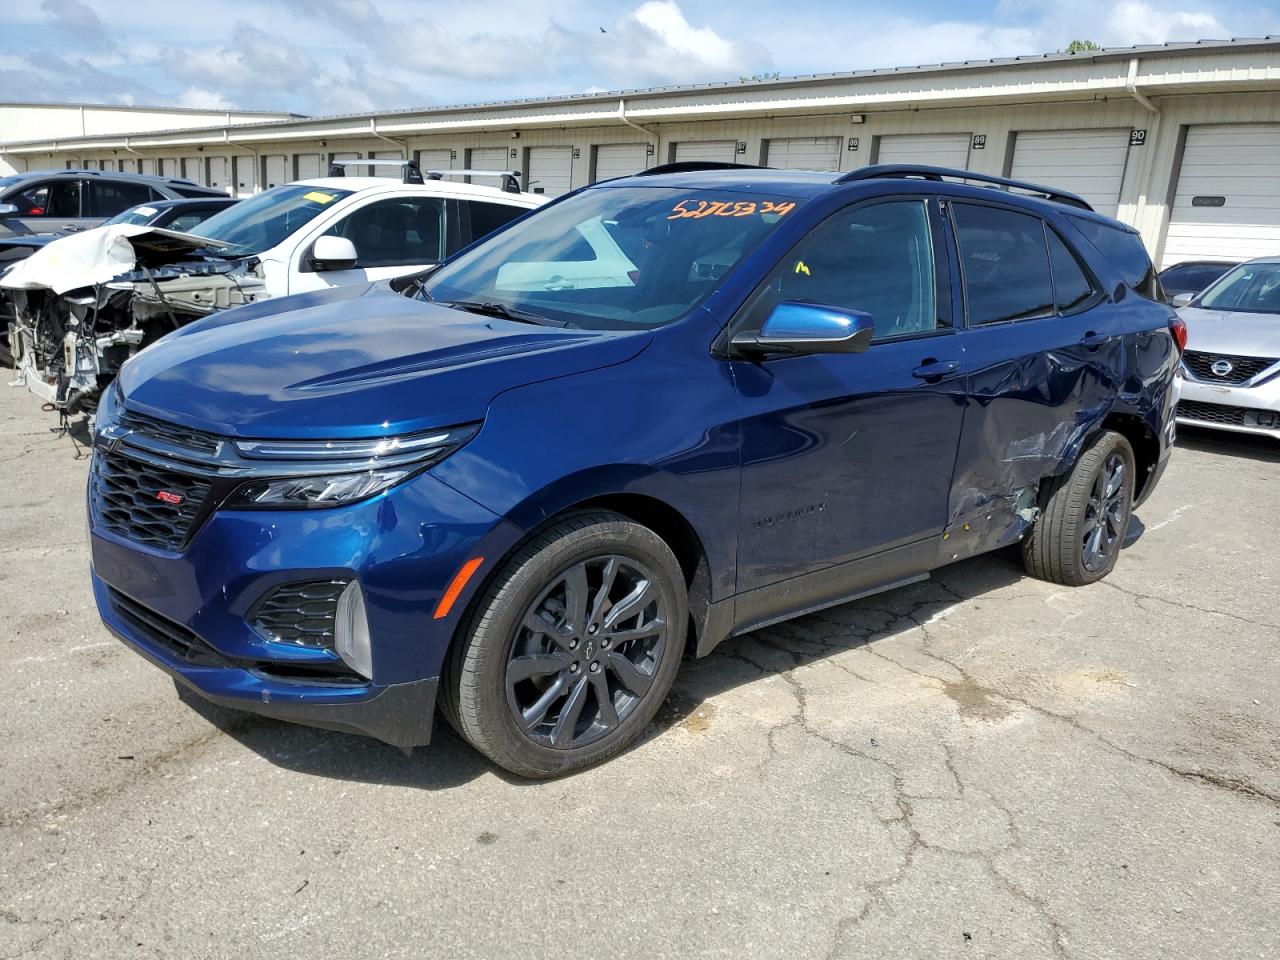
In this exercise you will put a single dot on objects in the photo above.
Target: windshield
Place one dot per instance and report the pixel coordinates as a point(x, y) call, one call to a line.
point(141, 214)
point(1249, 288)
point(259, 223)
point(615, 258)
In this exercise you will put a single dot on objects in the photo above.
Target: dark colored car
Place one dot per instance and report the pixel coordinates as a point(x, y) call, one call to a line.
point(658, 412)
point(1192, 276)
point(180, 215)
point(49, 201)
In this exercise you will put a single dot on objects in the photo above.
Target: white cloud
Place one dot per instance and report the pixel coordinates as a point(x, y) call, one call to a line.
point(1136, 21)
point(201, 99)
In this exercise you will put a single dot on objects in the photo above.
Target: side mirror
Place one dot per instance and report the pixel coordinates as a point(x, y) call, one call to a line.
point(1182, 300)
point(333, 253)
point(8, 210)
point(806, 328)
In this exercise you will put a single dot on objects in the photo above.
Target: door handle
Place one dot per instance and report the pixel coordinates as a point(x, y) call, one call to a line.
point(933, 371)
point(1092, 341)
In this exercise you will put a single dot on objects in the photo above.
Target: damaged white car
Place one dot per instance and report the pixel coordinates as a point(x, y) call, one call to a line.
point(86, 303)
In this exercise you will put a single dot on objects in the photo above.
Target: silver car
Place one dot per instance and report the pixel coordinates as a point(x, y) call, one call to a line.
point(1231, 366)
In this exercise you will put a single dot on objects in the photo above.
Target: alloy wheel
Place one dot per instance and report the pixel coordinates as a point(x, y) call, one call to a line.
point(1106, 514)
point(586, 652)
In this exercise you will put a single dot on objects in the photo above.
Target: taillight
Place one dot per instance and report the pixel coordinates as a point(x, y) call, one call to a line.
point(1178, 327)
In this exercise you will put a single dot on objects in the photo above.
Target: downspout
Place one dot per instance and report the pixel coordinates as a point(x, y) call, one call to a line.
point(257, 161)
point(622, 115)
point(373, 129)
point(130, 149)
point(1131, 84)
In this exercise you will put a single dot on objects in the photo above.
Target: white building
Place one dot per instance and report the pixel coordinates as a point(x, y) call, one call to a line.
point(1181, 140)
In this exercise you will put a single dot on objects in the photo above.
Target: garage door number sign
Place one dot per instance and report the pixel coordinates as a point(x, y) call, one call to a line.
point(684, 210)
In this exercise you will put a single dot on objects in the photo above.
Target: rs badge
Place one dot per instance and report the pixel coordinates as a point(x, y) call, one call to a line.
point(164, 496)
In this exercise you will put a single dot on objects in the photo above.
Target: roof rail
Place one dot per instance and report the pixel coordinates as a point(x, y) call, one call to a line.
point(926, 172)
point(693, 166)
point(510, 178)
point(337, 168)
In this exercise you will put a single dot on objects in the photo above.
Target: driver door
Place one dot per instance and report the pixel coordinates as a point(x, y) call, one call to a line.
point(847, 459)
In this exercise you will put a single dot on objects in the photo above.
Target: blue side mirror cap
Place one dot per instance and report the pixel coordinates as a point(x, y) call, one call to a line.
point(796, 327)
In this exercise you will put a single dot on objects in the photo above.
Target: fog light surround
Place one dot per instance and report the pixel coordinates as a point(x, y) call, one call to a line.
point(351, 631)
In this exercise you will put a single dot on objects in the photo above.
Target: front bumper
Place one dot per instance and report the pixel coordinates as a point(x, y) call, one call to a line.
point(403, 547)
point(1237, 409)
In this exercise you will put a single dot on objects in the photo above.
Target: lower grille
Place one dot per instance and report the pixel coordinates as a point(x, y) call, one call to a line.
point(301, 613)
point(1225, 415)
point(152, 505)
point(171, 637)
point(1235, 369)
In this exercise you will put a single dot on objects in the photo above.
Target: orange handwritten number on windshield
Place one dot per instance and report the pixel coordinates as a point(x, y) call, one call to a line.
point(728, 208)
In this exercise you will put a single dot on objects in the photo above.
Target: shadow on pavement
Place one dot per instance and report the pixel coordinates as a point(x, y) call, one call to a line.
point(450, 762)
point(1224, 443)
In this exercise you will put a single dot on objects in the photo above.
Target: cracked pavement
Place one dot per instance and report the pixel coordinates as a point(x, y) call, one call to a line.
point(980, 765)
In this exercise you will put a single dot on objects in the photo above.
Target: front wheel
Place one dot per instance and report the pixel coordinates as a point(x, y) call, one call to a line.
point(572, 648)
point(1078, 537)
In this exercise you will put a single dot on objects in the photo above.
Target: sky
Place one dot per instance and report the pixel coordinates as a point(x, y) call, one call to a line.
point(345, 56)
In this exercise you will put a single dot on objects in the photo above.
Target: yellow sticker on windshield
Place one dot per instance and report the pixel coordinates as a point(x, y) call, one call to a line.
point(697, 209)
point(315, 196)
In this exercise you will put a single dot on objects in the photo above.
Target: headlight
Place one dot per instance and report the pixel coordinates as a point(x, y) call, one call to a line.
point(359, 469)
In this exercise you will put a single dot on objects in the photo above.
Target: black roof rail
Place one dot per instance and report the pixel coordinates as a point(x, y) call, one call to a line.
point(411, 173)
point(926, 172)
point(510, 178)
point(693, 166)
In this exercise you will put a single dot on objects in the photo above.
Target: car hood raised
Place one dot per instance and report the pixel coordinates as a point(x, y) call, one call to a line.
point(1239, 334)
point(352, 361)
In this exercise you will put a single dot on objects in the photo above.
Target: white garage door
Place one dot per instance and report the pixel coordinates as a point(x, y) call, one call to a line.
point(720, 151)
point(385, 171)
point(147, 166)
point(277, 170)
point(804, 153)
point(129, 165)
point(619, 160)
point(1227, 204)
point(246, 175)
point(435, 159)
point(169, 167)
point(310, 166)
point(193, 169)
point(219, 175)
point(1086, 162)
point(489, 158)
point(550, 170)
point(935, 149)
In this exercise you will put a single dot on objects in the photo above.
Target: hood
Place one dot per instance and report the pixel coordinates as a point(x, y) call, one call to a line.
point(1239, 334)
point(357, 360)
point(96, 256)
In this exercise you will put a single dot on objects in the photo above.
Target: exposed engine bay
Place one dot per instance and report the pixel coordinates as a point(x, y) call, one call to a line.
point(69, 338)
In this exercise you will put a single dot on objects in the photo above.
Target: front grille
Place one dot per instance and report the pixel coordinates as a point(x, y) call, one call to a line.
point(1226, 415)
point(180, 436)
point(127, 500)
point(162, 632)
point(1242, 369)
point(301, 613)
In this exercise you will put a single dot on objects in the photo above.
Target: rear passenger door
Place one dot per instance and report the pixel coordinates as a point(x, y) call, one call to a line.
point(1043, 349)
point(845, 456)
point(106, 198)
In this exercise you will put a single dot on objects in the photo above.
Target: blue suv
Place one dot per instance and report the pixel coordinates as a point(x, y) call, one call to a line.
point(656, 413)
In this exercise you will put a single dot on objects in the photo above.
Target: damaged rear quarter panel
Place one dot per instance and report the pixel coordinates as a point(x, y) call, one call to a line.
point(1037, 395)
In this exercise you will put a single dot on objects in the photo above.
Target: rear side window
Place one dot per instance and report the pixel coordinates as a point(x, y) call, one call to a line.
point(109, 197)
point(1071, 285)
point(488, 217)
point(1124, 251)
point(1004, 264)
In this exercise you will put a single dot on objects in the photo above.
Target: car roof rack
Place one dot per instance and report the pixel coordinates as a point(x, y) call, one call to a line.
point(926, 172)
point(337, 168)
point(510, 178)
point(693, 166)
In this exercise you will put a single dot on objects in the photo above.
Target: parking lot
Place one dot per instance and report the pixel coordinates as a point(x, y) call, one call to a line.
point(981, 765)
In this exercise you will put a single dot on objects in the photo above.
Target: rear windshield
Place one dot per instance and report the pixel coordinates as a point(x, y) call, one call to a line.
point(614, 258)
point(1192, 277)
point(1249, 288)
point(1124, 251)
point(259, 223)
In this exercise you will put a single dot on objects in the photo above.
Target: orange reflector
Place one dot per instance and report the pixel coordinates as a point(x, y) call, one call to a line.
point(455, 587)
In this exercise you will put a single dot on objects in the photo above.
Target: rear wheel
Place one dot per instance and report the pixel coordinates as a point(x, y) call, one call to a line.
point(1078, 537)
point(572, 648)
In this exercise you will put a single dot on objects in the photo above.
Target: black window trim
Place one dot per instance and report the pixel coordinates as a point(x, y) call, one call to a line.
point(942, 257)
point(1092, 300)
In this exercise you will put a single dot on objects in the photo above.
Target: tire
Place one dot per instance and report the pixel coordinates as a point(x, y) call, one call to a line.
point(536, 680)
point(1063, 545)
